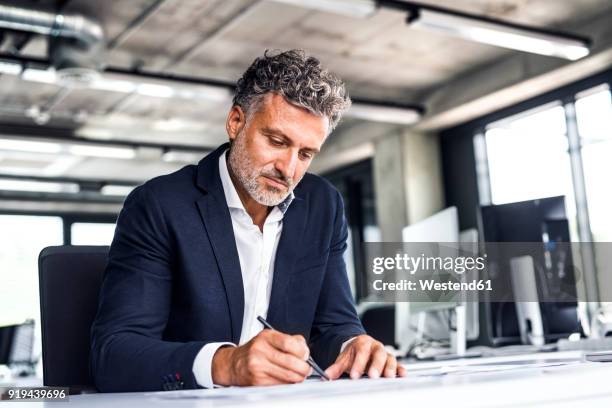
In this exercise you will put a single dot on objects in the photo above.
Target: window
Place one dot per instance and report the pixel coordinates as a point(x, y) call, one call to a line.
point(528, 157)
point(21, 240)
point(594, 117)
point(562, 147)
point(22, 237)
point(92, 233)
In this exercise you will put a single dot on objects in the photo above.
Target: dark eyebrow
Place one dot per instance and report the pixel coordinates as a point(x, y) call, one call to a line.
point(311, 150)
point(276, 132)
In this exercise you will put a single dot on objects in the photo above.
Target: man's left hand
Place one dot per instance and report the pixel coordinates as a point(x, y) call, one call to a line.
point(364, 353)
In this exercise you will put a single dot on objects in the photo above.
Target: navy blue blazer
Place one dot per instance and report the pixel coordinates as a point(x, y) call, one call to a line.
point(173, 281)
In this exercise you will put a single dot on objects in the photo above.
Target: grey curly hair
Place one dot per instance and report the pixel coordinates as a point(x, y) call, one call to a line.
point(300, 79)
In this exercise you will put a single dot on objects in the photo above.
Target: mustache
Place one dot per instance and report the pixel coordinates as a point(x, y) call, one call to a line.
point(275, 174)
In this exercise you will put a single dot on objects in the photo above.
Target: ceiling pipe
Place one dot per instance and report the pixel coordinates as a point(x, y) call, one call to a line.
point(72, 26)
point(76, 43)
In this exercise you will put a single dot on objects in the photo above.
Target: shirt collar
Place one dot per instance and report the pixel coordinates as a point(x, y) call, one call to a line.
point(231, 195)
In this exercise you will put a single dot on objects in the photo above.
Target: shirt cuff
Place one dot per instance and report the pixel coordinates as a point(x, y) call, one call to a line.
point(202, 365)
point(346, 343)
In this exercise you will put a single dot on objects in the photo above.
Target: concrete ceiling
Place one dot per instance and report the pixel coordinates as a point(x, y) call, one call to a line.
point(379, 57)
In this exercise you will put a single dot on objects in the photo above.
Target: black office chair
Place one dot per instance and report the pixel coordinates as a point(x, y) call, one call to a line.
point(69, 279)
point(379, 322)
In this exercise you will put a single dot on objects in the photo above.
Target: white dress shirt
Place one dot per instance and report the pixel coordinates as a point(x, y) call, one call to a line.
point(257, 252)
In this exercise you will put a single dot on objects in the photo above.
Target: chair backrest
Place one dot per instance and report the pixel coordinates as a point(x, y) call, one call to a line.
point(379, 322)
point(69, 279)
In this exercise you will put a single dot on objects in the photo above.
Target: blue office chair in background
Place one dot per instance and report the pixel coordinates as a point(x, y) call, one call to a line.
point(70, 278)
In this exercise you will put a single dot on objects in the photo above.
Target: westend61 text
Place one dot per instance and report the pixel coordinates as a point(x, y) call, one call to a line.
point(432, 285)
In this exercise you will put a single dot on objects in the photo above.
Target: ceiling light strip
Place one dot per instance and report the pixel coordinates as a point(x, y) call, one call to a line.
point(492, 31)
point(38, 186)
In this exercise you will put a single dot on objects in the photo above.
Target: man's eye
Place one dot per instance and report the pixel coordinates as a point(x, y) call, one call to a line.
point(305, 155)
point(276, 142)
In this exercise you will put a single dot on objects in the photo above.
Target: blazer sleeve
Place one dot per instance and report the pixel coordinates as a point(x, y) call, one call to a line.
point(127, 350)
point(335, 319)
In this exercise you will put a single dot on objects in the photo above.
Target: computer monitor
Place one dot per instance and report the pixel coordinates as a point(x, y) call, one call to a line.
point(16, 344)
point(541, 220)
point(522, 221)
point(7, 334)
point(442, 227)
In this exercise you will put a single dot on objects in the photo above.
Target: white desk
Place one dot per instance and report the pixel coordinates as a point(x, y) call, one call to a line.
point(571, 385)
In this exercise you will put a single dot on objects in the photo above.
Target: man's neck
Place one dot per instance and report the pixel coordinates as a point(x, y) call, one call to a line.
point(258, 212)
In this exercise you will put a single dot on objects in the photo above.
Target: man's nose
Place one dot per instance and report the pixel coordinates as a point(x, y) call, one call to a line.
point(287, 163)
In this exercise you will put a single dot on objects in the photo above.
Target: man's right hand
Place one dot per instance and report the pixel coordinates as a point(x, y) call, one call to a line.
point(269, 358)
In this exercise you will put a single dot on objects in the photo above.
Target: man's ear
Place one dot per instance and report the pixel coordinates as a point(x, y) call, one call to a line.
point(236, 119)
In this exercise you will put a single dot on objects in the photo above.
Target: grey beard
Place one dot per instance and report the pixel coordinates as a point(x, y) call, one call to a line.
point(244, 170)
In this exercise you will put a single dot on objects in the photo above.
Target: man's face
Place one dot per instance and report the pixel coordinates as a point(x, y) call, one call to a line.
point(272, 150)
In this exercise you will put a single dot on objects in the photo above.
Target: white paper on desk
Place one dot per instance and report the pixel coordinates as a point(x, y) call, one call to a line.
point(309, 388)
point(313, 388)
point(491, 368)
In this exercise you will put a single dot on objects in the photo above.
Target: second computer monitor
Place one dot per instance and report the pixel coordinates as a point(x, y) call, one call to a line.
point(442, 227)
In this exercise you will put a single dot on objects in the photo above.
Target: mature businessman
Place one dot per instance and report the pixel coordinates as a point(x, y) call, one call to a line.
point(200, 253)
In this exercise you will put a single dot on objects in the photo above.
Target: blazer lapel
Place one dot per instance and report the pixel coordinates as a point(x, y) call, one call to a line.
point(294, 224)
point(218, 225)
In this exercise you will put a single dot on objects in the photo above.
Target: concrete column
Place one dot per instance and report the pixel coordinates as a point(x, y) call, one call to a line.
point(422, 175)
point(407, 179)
point(389, 187)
